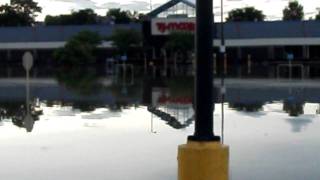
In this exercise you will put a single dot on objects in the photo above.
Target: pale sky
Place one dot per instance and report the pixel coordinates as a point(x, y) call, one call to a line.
point(271, 8)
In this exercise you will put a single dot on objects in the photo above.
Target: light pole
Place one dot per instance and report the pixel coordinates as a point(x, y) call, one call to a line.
point(222, 60)
point(204, 104)
point(203, 157)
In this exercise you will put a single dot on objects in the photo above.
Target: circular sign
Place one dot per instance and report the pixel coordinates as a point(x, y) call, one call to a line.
point(290, 57)
point(222, 49)
point(124, 58)
point(27, 61)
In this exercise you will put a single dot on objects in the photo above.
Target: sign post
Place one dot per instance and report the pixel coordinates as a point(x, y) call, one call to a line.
point(249, 64)
point(290, 58)
point(124, 58)
point(27, 62)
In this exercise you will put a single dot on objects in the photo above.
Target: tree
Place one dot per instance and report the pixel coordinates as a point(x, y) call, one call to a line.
point(294, 11)
point(85, 16)
point(318, 16)
point(123, 39)
point(79, 50)
point(19, 13)
point(9, 17)
point(120, 17)
point(180, 43)
point(75, 59)
point(293, 108)
point(246, 14)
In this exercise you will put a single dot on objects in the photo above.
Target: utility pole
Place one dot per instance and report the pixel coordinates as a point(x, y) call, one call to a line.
point(204, 104)
point(203, 157)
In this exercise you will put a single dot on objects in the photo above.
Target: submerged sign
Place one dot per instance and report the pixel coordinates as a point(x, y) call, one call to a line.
point(163, 26)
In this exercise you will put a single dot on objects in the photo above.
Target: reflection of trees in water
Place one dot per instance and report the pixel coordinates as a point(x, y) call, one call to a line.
point(16, 112)
point(181, 86)
point(131, 91)
point(250, 107)
point(293, 108)
point(125, 99)
point(81, 80)
point(85, 106)
point(298, 124)
point(2, 115)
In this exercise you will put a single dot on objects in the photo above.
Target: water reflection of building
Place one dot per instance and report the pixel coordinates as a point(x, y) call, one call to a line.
point(252, 99)
point(176, 111)
point(244, 98)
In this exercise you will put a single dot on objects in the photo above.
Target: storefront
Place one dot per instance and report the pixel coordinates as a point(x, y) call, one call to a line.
point(264, 44)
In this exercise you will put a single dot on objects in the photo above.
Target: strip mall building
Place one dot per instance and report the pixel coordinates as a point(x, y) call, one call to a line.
point(264, 43)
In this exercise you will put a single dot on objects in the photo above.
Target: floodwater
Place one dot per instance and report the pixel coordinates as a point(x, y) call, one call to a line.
point(97, 129)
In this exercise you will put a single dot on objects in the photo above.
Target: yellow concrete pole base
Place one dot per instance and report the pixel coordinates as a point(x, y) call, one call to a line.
point(203, 161)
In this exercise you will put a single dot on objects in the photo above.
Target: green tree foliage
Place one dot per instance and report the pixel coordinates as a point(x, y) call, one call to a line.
point(122, 17)
point(246, 14)
point(318, 16)
point(180, 42)
point(75, 58)
point(123, 39)
point(294, 11)
point(9, 17)
point(293, 108)
point(79, 50)
point(19, 13)
point(85, 16)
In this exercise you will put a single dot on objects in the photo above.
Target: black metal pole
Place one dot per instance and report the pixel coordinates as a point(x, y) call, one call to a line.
point(222, 54)
point(222, 49)
point(204, 105)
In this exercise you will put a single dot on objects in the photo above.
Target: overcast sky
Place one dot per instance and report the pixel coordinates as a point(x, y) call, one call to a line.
point(272, 8)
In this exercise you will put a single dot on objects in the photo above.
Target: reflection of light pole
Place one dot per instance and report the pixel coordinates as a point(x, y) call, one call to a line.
point(290, 68)
point(222, 60)
point(165, 63)
point(145, 63)
point(152, 130)
point(27, 62)
point(124, 90)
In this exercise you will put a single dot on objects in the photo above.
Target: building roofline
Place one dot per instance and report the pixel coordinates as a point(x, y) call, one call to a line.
point(168, 5)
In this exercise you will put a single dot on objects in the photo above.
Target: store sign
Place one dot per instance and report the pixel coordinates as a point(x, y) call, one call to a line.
point(163, 26)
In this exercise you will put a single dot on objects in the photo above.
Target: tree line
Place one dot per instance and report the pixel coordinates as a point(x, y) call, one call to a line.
point(293, 12)
point(88, 16)
point(24, 12)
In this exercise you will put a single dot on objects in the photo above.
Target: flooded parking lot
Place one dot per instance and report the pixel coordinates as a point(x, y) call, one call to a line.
point(132, 132)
